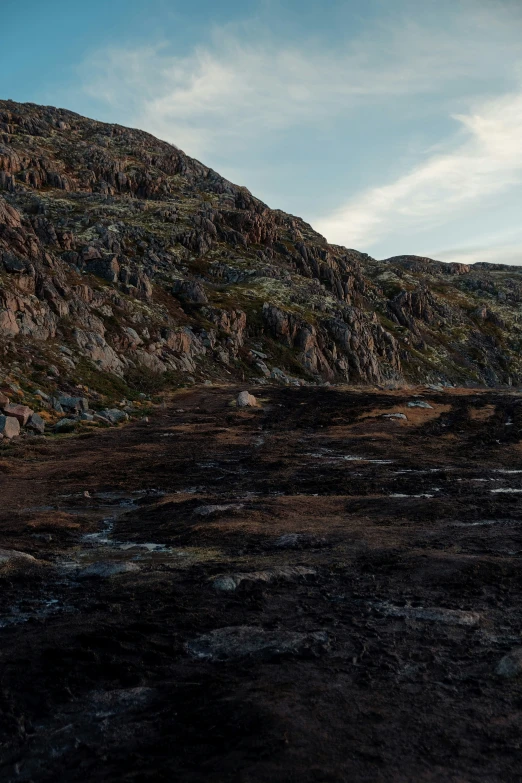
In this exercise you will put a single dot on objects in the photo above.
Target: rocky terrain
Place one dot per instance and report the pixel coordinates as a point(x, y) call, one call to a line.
point(300, 560)
point(127, 267)
point(323, 586)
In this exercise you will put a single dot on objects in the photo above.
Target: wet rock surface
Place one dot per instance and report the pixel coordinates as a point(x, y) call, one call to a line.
point(374, 634)
point(244, 641)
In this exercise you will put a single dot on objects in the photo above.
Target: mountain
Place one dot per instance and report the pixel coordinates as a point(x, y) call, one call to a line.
point(128, 266)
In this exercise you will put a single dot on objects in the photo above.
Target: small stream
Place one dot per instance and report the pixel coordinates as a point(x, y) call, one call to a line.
point(97, 555)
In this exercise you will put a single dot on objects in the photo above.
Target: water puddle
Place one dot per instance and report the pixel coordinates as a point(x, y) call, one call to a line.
point(100, 555)
point(330, 456)
point(481, 522)
point(401, 495)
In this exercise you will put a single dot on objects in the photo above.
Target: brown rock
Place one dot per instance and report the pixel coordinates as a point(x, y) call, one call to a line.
point(4, 400)
point(20, 412)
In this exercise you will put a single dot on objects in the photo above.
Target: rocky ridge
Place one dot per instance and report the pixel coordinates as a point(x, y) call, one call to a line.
point(127, 266)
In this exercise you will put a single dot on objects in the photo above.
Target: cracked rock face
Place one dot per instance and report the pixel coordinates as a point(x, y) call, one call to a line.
point(144, 262)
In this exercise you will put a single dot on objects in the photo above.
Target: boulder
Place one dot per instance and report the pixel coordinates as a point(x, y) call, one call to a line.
point(419, 404)
point(65, 425)
point(9, 427)
point(246, 400)
point(36, 423)
point(106, 570)
point(20, 412)
point(401, 416)
point(231, 582)
point(114, 415)
point(76, 404)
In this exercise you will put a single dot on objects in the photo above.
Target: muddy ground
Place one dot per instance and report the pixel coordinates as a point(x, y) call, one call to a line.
point(383, 563)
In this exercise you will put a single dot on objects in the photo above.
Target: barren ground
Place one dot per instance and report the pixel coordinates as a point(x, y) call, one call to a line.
point(415, 544)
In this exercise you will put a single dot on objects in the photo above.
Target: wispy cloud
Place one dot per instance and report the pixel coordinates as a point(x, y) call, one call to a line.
point(244, 84)
point(486, 160)
point(245, 88)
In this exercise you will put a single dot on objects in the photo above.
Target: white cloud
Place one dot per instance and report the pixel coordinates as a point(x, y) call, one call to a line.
point(243, 86)
point(486, 162)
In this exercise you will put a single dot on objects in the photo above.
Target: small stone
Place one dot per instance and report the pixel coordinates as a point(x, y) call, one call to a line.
point(4, 400)
point(9, 427)
point(20, 412)
point(214, 510)
point(419, 404)
point(511, 664)
point(105, 570)
point(225, 583)
point(246, 400)
point(231, 582)
point(394, 416)
point(42, 395)
point(298, 541)
point(86, 416)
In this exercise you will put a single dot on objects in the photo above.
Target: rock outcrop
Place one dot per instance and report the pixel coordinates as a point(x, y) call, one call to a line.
point(123, 260)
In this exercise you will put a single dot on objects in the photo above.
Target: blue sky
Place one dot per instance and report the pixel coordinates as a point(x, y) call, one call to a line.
point(391, 126)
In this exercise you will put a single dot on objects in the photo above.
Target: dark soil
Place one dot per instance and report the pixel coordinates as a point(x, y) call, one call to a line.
point(98, 682)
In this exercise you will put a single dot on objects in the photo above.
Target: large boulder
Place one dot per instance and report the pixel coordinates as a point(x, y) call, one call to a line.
point(36, 423)
point(20, 412)
point(9, 427)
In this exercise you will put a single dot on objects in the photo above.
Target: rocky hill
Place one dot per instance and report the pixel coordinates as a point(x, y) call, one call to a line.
point(127, 266)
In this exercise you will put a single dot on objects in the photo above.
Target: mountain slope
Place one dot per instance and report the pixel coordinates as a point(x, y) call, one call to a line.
point(126, 264)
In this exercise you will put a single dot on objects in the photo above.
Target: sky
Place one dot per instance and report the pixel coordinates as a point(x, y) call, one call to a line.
point(391, 126)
